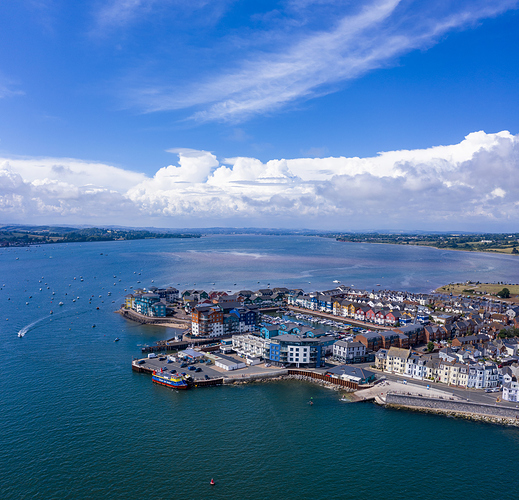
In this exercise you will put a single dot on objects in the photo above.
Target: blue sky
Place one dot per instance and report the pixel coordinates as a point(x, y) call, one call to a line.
point(169, 113)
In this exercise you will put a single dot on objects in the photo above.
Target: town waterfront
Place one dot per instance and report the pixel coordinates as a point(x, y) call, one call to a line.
point(78, 423)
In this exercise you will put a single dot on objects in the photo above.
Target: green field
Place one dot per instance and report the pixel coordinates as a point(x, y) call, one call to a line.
point(474, 289)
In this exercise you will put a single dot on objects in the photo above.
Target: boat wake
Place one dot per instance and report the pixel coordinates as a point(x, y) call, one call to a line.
point(32, 326)
point(26, 328)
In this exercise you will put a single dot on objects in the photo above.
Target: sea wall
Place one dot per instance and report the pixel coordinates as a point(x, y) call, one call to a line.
point(290, 374)
point(147, 320)
point(464, 409)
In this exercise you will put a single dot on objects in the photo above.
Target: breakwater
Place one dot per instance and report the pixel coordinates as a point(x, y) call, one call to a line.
point(148, 320)
point(463, 409)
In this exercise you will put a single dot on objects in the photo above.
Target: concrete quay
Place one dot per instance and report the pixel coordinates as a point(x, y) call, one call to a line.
point(218, 376)
point(384, 387)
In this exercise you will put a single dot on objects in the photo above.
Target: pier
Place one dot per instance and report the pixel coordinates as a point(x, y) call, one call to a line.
point(241, 376)
point(205, 344)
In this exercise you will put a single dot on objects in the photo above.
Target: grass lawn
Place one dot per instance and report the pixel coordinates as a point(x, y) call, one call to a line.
point(470, 289)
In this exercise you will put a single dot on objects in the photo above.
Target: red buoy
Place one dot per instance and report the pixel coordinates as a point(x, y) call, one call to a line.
point(212, 482)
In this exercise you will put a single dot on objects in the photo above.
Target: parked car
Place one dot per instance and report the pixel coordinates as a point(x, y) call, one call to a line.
point(206, 377)
point(183, 365)
point(191, 368)
point(198, 369)
point(141, 361)
point(173, 371)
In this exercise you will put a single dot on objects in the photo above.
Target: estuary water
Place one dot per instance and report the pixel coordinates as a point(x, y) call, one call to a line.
point(77, 423)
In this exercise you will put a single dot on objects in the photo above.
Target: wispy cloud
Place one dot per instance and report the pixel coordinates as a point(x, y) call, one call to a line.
point(118, 13)
point(473, 183)
point(123, 14)
point(310, 63)
point(9, 89)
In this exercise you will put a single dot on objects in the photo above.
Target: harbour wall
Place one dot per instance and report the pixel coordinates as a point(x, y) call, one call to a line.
point(148, 320)
point(297, 375)
point(464, 409)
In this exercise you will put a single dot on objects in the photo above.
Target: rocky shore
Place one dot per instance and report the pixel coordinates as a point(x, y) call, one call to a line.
point(283, 375)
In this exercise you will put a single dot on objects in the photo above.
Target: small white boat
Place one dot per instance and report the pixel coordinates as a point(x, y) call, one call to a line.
point(60, 304)
point(336, 281)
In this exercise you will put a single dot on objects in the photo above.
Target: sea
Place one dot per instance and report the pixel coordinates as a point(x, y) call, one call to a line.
point(77, 423)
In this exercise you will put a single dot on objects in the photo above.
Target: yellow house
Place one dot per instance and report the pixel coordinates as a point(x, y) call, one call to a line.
point(128, 301)
point(453, 374)
point(396, 360)
point(350, 310)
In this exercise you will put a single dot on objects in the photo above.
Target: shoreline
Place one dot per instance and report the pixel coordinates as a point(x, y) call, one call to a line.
point(490, 250)
point(475, 417)
point(131, 315)
point(452, 408)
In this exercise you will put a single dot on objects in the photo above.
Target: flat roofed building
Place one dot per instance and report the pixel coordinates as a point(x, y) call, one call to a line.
point(352, 374)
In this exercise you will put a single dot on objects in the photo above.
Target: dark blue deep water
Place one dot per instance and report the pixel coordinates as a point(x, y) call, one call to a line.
point(77, 423)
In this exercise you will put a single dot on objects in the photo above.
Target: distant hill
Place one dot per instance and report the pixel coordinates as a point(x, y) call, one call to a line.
point(17, 235)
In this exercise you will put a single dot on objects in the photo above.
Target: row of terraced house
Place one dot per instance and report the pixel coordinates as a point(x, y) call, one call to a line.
point(476, 374)
point(361, 308)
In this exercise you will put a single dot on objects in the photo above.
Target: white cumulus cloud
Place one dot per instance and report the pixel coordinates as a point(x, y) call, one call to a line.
point(473, 184)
